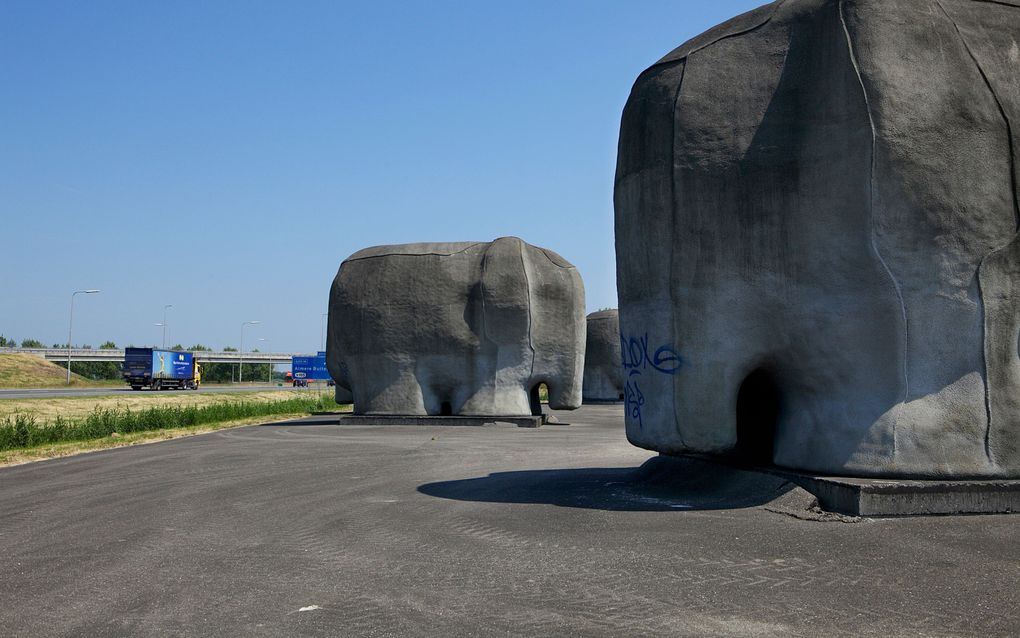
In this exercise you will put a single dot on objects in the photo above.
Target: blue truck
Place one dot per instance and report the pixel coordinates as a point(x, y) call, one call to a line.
point(305, 369)
point(161, 369)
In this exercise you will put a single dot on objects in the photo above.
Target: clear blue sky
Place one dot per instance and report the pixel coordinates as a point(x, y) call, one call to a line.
point(225, 157)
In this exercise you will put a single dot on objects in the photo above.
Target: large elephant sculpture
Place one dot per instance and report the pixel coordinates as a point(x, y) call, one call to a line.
point(603, 374)
point(456, 329)
point(816, 227)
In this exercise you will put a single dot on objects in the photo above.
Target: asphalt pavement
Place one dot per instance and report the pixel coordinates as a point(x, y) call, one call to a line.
point(49, 393)
point(307, 528)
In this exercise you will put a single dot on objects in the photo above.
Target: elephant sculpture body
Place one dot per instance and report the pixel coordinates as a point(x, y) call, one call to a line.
point(456, 329)
point(603, 374)
point(816, 227)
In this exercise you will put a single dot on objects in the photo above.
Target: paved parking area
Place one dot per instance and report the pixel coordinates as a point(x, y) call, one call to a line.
point(305, 528)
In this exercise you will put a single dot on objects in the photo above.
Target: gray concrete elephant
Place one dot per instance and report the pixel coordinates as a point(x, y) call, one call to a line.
point(603, 374)
point(816, 226)
point(457, 329)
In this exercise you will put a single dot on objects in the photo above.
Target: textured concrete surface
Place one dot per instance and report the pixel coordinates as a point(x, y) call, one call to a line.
point(393, 531)
point(456, 329)
point(603, 364)
point(817, 239)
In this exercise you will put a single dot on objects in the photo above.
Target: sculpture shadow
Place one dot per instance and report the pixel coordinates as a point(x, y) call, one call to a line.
point(661, 484)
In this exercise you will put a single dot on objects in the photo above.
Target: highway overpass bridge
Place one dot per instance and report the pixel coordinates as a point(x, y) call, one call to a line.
point(204, 356)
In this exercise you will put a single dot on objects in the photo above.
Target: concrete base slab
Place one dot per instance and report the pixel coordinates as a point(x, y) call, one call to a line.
point(884, 497)
point(370, 419)
point(888, 497)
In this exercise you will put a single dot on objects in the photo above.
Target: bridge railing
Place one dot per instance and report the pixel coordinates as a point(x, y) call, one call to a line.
point(99, 354)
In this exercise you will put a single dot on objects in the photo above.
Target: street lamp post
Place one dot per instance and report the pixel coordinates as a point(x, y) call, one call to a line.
point(165, 308)
point(70, 325)
point(270, 353)
point(240, 363)
point(322, 340)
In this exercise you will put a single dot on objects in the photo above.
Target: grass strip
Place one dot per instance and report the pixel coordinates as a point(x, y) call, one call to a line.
point(25, 430)
point(72, 448)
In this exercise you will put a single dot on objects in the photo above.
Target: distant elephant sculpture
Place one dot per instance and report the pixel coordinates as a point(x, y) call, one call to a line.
point(816, 227)
point(603, 374)
point(457, 329)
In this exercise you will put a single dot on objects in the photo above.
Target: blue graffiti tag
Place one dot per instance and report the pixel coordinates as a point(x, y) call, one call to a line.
point(637, 359)
point(633, 400)
point(635, 351)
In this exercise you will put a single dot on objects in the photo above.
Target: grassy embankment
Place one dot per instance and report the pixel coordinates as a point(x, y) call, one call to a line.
point(33, 429)
point(19, 370)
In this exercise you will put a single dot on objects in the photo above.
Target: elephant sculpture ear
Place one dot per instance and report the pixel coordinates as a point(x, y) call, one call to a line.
point(505, 293)
point(555, 258)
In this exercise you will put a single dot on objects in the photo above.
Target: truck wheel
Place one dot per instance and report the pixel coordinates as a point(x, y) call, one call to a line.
point(155, 386)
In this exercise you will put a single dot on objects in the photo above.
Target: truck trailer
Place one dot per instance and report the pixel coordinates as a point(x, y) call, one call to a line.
point(161, 369)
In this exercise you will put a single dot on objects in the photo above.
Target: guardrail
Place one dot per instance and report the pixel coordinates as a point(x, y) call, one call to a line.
point(95, 354)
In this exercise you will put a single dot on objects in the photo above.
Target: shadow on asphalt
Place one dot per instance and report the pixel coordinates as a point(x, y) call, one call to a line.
point(660, 484)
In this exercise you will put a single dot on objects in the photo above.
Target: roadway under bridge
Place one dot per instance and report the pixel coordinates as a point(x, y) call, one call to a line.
point(205, 356)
